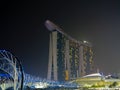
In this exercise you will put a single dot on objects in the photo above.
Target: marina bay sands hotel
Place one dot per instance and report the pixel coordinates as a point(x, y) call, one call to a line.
point(68, 57)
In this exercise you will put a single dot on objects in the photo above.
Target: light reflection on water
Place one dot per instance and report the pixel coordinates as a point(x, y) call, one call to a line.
point(27, 88)
point(77, 89)
point(67, 89)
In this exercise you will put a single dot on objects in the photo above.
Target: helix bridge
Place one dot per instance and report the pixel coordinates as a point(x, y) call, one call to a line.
point(11, 73)
point(36, 82)
point(12, 76)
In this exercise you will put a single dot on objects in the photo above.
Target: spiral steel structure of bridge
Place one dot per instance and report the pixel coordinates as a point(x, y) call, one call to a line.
point(11, 72)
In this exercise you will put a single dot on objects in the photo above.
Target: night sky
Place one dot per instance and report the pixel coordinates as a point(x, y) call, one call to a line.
point(22, 30)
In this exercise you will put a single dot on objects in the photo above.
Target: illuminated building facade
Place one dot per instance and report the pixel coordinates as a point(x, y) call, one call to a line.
point(68, 58)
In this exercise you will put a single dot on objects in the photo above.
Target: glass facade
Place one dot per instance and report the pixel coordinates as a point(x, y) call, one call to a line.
point(74, 59)
point(61, 56)
point(88, 59)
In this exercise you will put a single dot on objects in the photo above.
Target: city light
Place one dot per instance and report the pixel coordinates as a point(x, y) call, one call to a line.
point(85, 41)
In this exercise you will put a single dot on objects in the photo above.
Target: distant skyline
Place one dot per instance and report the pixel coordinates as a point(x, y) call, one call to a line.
point(23, 33)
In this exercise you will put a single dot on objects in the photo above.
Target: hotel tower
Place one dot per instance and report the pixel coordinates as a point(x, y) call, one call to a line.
point(68, 58)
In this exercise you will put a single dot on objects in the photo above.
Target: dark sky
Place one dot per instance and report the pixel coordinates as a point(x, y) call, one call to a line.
point(23, 33)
